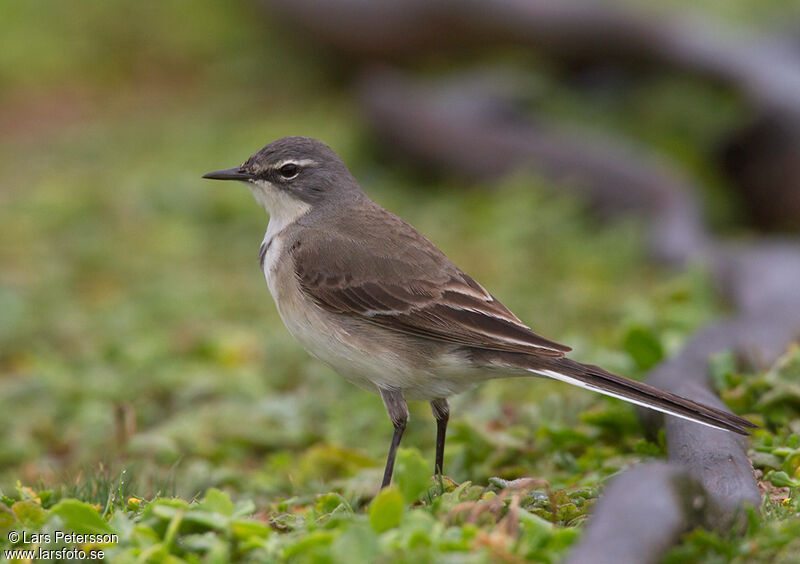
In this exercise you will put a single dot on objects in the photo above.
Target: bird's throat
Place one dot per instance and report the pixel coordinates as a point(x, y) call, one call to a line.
point(283, 208)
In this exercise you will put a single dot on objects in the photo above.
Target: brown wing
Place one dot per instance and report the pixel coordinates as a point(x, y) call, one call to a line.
point(386, 273)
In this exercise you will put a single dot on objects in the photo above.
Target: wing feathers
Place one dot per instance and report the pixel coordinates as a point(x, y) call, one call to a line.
point(383, 271)
point(458, 314)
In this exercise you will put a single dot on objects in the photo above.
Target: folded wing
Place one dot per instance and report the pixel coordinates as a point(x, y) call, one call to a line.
point(414, 290)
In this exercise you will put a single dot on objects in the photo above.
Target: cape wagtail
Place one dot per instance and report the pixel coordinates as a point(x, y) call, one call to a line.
point(367, 294)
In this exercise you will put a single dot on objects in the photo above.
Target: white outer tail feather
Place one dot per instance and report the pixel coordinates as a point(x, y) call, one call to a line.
point(585, 386)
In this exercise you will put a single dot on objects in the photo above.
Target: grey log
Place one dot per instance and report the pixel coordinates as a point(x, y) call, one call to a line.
point(642, 513)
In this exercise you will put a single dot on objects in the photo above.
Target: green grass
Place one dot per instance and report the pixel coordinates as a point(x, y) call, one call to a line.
point(149, 388)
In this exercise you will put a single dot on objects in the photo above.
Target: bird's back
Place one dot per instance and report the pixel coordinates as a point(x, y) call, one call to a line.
point(378, 267)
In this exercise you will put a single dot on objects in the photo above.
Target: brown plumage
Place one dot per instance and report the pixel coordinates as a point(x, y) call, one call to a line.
point(384, 271)
point(366, 293)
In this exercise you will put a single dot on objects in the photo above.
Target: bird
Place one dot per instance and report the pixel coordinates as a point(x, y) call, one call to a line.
point(370, 296)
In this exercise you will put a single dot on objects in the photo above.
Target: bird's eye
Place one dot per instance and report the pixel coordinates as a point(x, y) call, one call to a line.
point(289, 170)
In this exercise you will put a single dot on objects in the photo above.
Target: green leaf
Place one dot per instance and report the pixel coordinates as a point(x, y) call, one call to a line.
point(309, 547)
point(81, 517)
point(243, 508)
point(644, 347)
point(206, 519)
point(356, 544)
point(781, 479)
point(722, 368)
point(217, 501)
point(330, 504)
point(165, 509)
point(246, 529)
point(411, 474)
point(29, 513)
point(386, 509)
point(7, 520)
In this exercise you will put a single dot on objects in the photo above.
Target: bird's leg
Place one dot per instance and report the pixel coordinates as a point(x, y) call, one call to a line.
point(398, 413)
point(441, 412)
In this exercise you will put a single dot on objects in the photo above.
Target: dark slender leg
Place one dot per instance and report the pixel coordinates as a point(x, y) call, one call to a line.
point(441, 412)
point(387, 472)
point(398, 413)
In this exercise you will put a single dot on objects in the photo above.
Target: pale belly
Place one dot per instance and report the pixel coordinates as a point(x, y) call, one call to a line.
point(365, 354)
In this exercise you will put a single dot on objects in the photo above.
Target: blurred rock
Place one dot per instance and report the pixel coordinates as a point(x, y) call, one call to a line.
point(716, 459)
point(762, 160)
point(568, 30)
point(475, 134)
point(642, 513)
point(760, 278)
point(761, 281)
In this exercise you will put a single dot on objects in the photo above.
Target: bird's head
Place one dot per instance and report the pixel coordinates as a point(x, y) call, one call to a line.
point(293, 174)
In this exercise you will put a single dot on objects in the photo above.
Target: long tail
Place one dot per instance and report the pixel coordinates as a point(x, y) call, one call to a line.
point(598, 380)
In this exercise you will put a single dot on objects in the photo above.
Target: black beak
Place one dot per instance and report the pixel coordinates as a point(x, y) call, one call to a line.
point(229, 174)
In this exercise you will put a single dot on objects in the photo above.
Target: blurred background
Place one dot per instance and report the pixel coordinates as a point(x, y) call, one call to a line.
point(136, 330)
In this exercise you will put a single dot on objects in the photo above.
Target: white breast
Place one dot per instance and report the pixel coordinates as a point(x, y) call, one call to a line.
point(270, 257)
point(283, 211)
